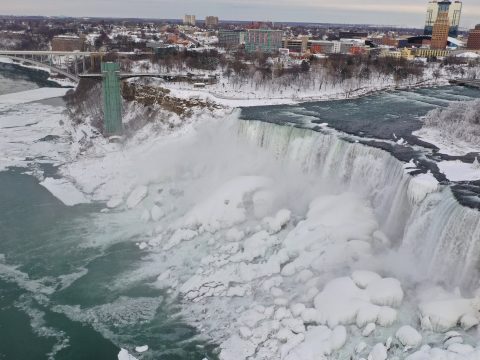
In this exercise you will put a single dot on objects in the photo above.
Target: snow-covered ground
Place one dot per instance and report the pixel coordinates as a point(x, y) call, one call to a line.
point(455, 130)
point(252, 91)
point(460, 171)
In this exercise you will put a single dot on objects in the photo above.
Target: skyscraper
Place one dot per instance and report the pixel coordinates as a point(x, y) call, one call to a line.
point(454, 15)
point(441, 26)
point(189, 20)
point(211, 21)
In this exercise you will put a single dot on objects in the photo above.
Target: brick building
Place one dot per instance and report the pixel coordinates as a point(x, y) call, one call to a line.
point(68, 43)
point(441, 27)
point(474, 39)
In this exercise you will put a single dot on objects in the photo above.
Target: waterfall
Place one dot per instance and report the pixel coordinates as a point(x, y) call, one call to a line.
point(443, 235)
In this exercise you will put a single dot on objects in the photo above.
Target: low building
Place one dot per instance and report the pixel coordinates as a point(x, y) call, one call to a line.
point(211, 22)
point(474, 39)
point(353, 35)
point(431, 53)
point(161, 49)
point(320, 46)
point(68, 43)
point(404, 53)
point(296, 45)
point(189, 20)
point(230, 38)
point(264, 40)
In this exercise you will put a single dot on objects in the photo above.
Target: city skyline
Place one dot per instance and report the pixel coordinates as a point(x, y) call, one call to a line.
point(410, 13)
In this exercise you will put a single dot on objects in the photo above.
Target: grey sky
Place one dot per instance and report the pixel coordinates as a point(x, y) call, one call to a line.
point(392, 12)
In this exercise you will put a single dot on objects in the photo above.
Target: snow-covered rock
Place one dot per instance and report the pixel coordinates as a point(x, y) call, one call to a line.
point(408, 336)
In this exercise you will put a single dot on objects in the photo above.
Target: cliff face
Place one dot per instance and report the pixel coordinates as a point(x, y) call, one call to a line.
point(143, 102)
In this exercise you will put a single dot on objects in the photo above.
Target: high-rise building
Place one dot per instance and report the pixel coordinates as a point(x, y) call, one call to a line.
point(441, 26)
point(211, 21)
point(474, 39)
point(189, 20)
point(264, 40)
point(454, 14)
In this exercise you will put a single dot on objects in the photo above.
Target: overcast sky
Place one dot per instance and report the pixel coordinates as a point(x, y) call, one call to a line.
point(387, 12)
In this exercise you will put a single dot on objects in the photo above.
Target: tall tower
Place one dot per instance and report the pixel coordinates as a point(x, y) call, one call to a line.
point(112, 99)
point(454, 14)
point(441, 26)
point(432, 12)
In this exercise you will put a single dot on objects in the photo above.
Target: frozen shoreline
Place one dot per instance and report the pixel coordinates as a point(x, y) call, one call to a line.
point(61, 82)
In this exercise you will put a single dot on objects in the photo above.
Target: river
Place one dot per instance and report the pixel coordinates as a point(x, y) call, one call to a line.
point(81, 282)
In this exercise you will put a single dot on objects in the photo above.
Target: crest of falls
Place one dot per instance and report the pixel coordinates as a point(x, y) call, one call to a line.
point(426, 223)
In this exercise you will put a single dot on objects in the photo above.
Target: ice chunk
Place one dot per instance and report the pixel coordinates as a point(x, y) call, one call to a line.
point(136, 196)
point(408, 336)
point(245, 332)
point(445, 314)
point(379, 352)
point(65, 191)
point(275, 224)
point(297, 309)
point(338, 338)
point(236, 348)
point(179, 236)
point(124, 355)
point(363, 278)
point(114, 202)
point(339, 301)
point(157, 213)
point(386, 316)
point(468, 321)
point(141, 349)
point(462, 349)
point(385, 292)
point(367, 313)
point(369, 329)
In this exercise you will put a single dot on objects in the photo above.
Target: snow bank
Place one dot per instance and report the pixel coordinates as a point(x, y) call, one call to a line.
point(441, 311)
point(32, 95)
point(224, 208)
point(460, 171)
point(455, 129)
point(343, 302)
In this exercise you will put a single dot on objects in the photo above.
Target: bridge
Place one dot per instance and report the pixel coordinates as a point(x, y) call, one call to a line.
point(73, 65)
point(66, 63)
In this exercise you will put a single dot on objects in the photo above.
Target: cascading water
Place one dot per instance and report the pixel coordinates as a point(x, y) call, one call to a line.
point(443, 235)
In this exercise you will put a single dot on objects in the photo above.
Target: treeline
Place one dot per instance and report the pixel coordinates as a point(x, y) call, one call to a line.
point(248, 65)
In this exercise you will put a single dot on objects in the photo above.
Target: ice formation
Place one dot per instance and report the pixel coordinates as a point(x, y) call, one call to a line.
point(286, 246)
point(283, 243)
